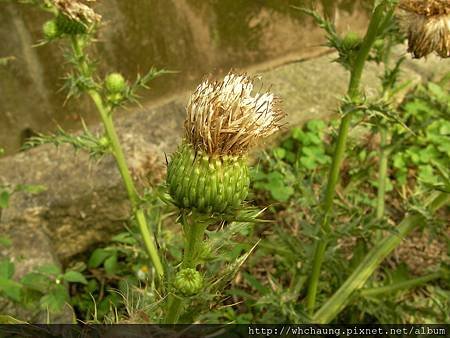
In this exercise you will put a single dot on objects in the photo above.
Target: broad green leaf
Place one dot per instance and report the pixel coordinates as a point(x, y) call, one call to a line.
point(438, 92)
point(11, 289)
point(281, 192)
point(126, 237)
point(49, 269)
point(74, 277)
point(98, 257)
point(110, 265)
point(316, 125)
point(36, 281)
point(6, 268)
point(308, 162)
point(55, 299)
point(279, 152)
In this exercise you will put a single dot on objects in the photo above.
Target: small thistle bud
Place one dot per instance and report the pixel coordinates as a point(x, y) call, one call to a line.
point(50, 30)
point(188, 282)
point(115, 83)
point(103, 141)
point(426, 24)
point(69, 26)
point(209, 173)
point(351, 40)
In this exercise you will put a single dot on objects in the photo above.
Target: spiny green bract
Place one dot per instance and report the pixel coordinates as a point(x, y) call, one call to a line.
point(207, 183)
point(69, 26)
point(188, 282)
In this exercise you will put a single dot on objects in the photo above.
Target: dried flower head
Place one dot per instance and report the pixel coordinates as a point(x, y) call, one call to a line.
point(76, 10)
point(427, 26)
point(225, 118)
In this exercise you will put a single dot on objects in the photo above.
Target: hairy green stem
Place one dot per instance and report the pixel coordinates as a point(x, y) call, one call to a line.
point(194, 238)
point(412, 283)
point(334, 305)
point(175, 305)
point(110, 130)
point(339, 154)
point(194, 231)
point(382, 173)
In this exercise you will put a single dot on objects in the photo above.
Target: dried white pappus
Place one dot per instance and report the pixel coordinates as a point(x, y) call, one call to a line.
point(77, 11)
point(224, 117)
point(427, 26)
point(209, 172)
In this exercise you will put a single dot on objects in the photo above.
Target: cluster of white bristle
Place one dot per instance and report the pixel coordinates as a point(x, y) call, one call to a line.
point(225, 117)
point(427, 26)
point(76, 10)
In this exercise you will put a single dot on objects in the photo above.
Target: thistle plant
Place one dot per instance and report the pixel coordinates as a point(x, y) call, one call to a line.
point(77, 23)
point(208, 176)
point(427, 33)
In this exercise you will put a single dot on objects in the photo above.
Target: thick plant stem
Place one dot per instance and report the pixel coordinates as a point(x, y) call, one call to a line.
point(108, 124)
point(194, 231)
point(373, 292)
point(174, 309)
point(339, 154)
point(194, 238)
point(370, 263)
point(382, 173)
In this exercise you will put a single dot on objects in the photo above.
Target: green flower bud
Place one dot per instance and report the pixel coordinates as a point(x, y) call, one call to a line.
point(50, 30)
point(351, 40)
point(103, 141)
point(115, 83)
point(188, 282)
point(69, 26)
point(207, 183)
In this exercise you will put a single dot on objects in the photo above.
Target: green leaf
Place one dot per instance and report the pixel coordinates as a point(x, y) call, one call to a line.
point(31, 188)
point(279, 153)
point(74, 277)
point(49, 269)
point(55, 300)
point(316, 125)
point(11, 289)
point(281, 193)
point(437, 92)
point(5, 241)
point(308, 162)
point(426, 174)
point(4, 199)
point(299, 135)
point(125, 237)
point(98, 257)
point(36, 281)
point(111, 265)
point(6, 268)
point(5, 319)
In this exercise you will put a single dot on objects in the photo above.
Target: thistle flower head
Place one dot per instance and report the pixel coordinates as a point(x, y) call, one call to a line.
point(427, 26)
point(77, 11)
point(226, 118)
